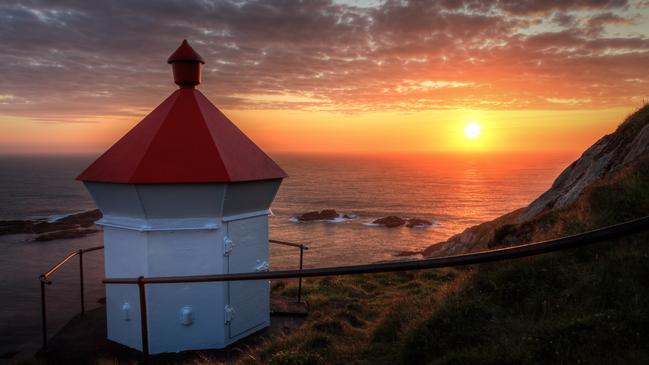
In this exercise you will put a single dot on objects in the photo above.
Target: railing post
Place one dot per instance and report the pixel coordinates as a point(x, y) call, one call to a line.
point(143, 321)
point(43, 312)
point(299, 285)
point(83, 304)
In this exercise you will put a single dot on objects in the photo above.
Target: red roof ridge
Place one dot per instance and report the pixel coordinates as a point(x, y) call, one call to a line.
point(175, 95)
point(186, 139)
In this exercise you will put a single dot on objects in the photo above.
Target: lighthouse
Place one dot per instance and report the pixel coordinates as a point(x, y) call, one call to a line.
point(185, 192)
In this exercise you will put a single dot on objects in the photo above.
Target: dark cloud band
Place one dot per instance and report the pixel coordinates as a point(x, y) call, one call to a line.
point(69, 59)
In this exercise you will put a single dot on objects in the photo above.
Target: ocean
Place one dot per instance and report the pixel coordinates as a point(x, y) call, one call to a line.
point(452, 191)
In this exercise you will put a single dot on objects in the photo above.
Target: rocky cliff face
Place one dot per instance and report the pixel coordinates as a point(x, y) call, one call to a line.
point(613, 152)
point(608, 155)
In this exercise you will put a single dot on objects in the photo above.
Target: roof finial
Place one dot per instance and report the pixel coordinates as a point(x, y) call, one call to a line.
point(187, 65)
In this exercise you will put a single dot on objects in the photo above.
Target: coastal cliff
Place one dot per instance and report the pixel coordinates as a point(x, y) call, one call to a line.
point(616, 156)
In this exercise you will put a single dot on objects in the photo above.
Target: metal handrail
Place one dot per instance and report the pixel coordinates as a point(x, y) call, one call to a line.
point(526, 250)
point(508, 253)
point(58, 265)
point(286, 243)
point(44, 279)
point(302, 248)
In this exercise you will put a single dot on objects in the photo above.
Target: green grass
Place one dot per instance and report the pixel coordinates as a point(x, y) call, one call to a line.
point(626, 199)
point(585, 306)
point(356, 317)
point(588, 306)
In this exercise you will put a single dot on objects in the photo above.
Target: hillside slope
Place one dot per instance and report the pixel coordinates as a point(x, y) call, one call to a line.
point(588, 305)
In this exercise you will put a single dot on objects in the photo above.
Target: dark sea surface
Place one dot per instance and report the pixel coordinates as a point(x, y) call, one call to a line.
point(452, 191)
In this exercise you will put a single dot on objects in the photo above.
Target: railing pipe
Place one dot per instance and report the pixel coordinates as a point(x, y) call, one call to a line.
point(285, 243)
point(531, 249)
point(42, 280)
point(302, 248)
point(90, 249)
point(83, 303)
point(143, 321)
point(299, 285)
point(56, 267)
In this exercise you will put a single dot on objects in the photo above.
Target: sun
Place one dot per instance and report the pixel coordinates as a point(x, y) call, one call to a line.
point(472, 130)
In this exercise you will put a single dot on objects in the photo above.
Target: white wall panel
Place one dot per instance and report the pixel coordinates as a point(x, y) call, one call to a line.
point(249, 196)
point(123, 315)
point(178, 253)
point(250, 299)
point(125, 253)
point(166, 329)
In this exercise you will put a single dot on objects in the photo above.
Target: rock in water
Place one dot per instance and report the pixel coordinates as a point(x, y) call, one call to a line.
point(390, 221)
point(71, 222)
point(83, 219)
point(309, 216)
point(329, 214)
point(326, 214)
point(418, 222)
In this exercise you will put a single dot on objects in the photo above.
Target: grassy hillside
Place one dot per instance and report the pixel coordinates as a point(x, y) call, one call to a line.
point(589, 305)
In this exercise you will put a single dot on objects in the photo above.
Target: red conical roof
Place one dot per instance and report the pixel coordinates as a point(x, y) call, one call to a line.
point(185, 53)
point(186, 139)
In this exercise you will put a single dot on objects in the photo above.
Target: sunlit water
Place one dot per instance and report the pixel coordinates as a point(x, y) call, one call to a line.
point(452, 191)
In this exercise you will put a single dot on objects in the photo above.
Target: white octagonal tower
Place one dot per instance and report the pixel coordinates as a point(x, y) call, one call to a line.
point(185, 192)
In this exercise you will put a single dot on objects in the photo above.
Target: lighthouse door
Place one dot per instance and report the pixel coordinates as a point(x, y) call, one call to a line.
point(248, 300)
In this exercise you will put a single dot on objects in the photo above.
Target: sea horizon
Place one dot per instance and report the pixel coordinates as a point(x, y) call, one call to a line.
point(452, 190)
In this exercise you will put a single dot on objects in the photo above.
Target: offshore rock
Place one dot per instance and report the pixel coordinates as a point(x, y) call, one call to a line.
point(393, 221)
point(71, 222)
point(326, 214)
point(390, 221)
point(418, 222)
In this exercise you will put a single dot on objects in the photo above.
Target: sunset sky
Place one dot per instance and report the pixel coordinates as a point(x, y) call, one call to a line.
point(329, 76)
